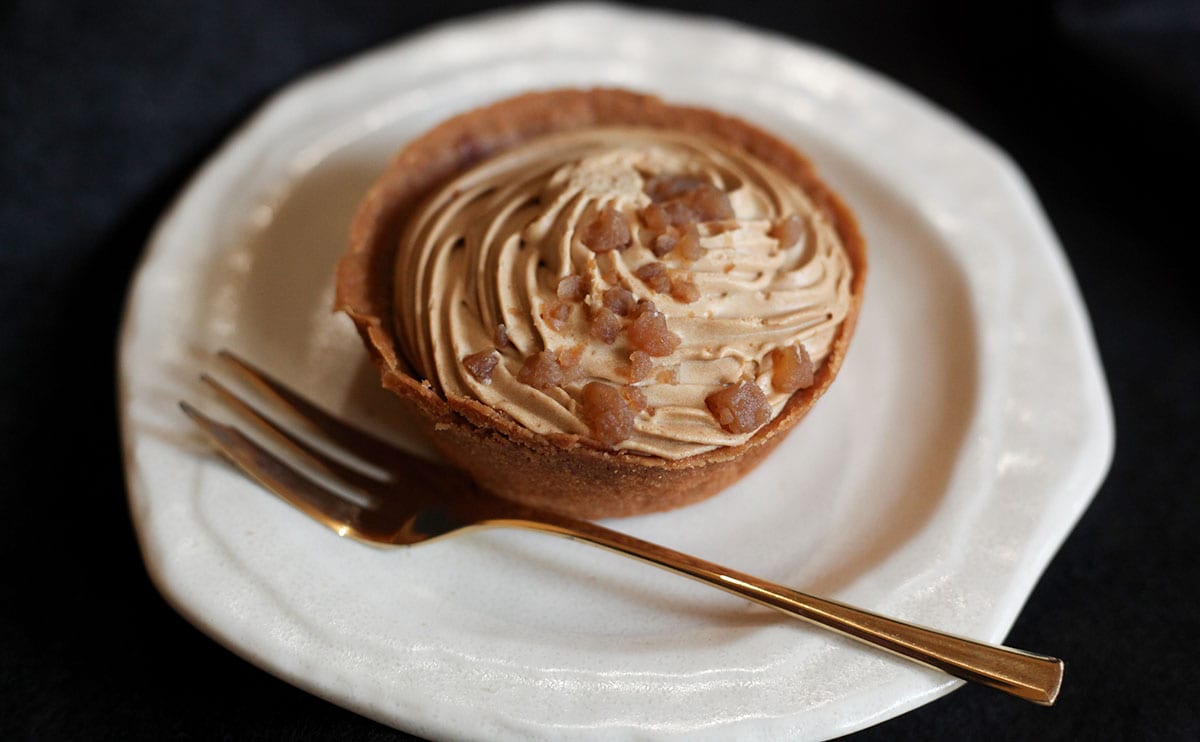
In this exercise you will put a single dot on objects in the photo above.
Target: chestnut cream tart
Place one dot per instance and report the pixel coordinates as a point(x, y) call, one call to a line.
point(600, 303)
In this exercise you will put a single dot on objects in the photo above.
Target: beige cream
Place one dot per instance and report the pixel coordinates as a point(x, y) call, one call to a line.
point(490, 246)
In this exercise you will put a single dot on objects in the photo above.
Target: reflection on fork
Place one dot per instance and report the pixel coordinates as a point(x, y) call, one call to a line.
point(389, 497)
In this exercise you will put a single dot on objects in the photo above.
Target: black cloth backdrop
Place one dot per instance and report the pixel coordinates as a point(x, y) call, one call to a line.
point(106, 108)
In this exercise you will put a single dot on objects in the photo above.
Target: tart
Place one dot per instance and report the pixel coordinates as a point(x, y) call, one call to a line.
point(600, 303)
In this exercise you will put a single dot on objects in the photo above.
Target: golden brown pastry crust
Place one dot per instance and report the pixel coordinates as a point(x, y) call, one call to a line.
point(562, 472)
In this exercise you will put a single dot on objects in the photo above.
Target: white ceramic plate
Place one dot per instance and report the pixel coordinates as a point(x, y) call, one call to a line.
point(968, 431)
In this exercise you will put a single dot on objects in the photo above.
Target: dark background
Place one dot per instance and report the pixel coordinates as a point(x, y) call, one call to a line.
point(106, 108)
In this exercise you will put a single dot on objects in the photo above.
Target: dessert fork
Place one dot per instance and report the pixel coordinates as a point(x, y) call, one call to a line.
point(408, 500)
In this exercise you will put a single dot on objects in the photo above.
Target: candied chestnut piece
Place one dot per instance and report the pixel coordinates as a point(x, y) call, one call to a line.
point(605, 325)
point(606, 413)
point(655, 217)
point(606, 231)
point(709, 203)
point(663, 243)
point(655, 276)
point(788, 230)
point(643, 306)
point(739, 408)
point(482, 364)
point(541, 371)
point(689, 243)
point(687, 199)
point(634, 397)
point(649, 333)
point(791, 369)
point(620, 301)
point(683, 289)
point(679, 213)
point(666, 187)
point(640, 365)
point(571, 288)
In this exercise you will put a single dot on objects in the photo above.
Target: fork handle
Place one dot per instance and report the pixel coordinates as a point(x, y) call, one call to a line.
point(1028, 676)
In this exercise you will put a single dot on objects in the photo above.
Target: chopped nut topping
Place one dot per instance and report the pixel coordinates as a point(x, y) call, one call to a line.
point(666, 187)
point(643, 306)
point(607, 231)
point(501, 336)
point(634, 397)
point(620, 301)
point(679, 213)
point(687, 199)
point(664, 243)
point(689, 244)
point(606, 413)
point(541, 371)
point(640, 365)
point(482, 364)
point(654, 217)
point(572, 288)
point(739, 408)
point(683, 289)
point(655, 276)
point(606, 325)
point(556, 314)
point(791, 369)
point(788, 230)
point(667, 376)
point(709, 203)
point(648, 332)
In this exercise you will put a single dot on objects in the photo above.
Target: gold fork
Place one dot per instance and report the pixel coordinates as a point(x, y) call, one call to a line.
point(418, 501)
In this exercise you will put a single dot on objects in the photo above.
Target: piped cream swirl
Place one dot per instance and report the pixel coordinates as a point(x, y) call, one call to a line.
point(491, 246)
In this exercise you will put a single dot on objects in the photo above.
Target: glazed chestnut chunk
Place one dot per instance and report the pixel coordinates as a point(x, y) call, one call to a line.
point(606, 413)
point(482, 364)
point(667, 187)
point(655, 217)
point(739, 408)
point(689, 243)
point(663, 243)
point(686, 198)
point(792, 369)
point(634, 397)
point(649, 333)
point(607, 231)
point(788, 231)
point(571, 288)
point(541, 371)
point(619, 301)
point(655, 276)
point(605, 325)
point(708, 203)
point(684, 290)
point(640, 365)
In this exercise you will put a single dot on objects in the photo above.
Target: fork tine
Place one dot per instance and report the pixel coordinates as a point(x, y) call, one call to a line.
point(365, 484)
point(290, 485)
point(366, 446)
